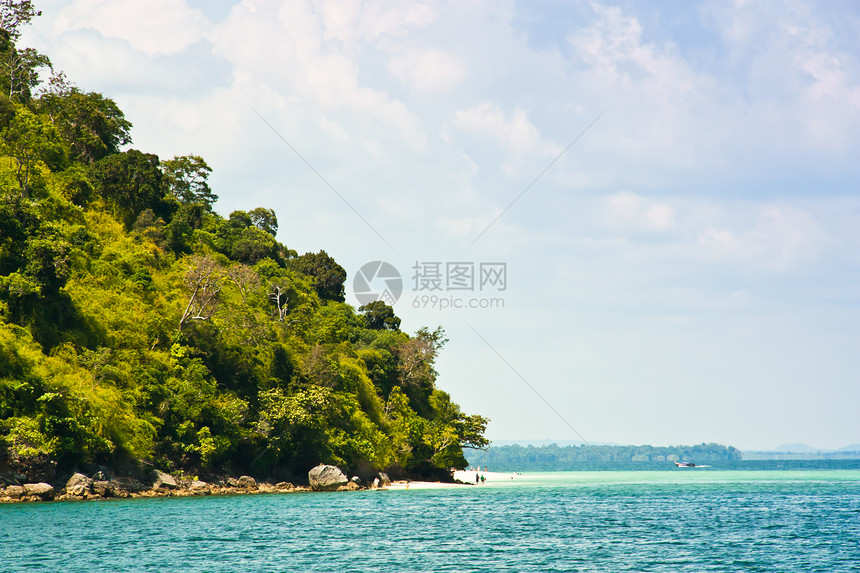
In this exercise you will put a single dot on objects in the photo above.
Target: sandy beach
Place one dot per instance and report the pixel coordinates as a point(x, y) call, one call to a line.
point(468, 476)
point(465, 476)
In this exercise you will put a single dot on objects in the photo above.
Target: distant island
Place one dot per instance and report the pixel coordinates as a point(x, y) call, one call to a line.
point(553, 457)
point(804, 452)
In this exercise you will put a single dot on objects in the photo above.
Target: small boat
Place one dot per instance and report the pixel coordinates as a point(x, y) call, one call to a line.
point(685, 464)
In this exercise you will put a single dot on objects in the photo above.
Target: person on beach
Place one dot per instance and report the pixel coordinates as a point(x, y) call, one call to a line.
point(477, 478)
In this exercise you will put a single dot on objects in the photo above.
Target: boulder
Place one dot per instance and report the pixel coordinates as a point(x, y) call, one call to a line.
point(79, 490)
point(326, 478)
point(126, 485)
point(246, 482)
point(198, 486)
point(384, 480)
point(15, 491)
point(78, 484)
point(102, 488)
point(232, 482)
point(42, 490)
point(164, 481)
point(284, 485)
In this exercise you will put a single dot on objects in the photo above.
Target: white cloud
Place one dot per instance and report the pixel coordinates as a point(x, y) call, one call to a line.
point(281, 45)
point(782, 238)
point(155, 27)
point(638, 213)
point(513, 131)
point(431, 70)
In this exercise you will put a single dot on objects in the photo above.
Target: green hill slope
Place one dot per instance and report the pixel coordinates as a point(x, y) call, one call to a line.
point(137, 325)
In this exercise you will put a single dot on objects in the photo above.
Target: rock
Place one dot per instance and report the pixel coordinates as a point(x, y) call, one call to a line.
point(326, 478)
point(42, 490)
point(384, 480)
point(246, 482)
point(126, 485)
point(232, 482)
point(102, 488)
point(284, 485)
point(78, 485)
point(102, 475)
point(198, 486)
point(356, 480)
point(164, 481)
point(79, 490)
point(266, 488)
point(15, 491)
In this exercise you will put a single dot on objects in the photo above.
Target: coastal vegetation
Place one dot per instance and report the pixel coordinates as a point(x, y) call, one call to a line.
point(138, 326)
point(554, 458)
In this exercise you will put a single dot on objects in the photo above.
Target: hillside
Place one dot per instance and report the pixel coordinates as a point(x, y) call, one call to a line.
point(140, 327)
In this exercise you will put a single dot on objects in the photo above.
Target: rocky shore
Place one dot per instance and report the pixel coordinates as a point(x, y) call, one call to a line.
point(101, 485)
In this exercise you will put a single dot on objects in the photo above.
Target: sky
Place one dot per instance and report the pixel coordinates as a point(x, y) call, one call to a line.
point(654, 207)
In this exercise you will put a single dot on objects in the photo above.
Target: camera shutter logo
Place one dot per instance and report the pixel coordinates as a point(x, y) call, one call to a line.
point(377, 280)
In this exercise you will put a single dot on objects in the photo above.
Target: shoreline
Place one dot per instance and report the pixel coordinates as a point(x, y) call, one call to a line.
point(83, 488)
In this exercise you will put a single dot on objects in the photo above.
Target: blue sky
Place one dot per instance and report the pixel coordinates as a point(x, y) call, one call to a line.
point(687, 271)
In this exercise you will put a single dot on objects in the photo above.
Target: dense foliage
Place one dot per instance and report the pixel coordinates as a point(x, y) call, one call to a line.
point(554, 457)
point(136, 323)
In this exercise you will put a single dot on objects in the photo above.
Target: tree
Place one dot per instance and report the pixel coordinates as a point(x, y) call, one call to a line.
point(130, 182)
point(13, 15)
point(265, 220)
point(203, 281)
point(18, 68)
point(92, 125)
point(328, 276)
point(186, 178)
point(379, 316)
point(28, 139)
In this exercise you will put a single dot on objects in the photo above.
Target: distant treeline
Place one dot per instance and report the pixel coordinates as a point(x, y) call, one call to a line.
point(554, 457)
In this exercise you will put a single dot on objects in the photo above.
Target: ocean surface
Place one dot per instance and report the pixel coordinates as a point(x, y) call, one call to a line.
point(762, 517)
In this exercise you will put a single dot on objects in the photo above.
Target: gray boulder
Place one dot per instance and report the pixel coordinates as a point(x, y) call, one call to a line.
point(78, 484)
point(384, 480)
point(246, 482)
point(164, 481)
point(127, 485)
point(326, 478)
point(198, 486)
point(42, 490)
point(102, 488)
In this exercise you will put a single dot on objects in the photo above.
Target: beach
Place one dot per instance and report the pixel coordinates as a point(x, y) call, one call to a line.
point(465, 477)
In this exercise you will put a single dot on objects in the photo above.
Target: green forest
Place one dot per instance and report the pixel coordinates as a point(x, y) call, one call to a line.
point(138, 326)
point(558, 458)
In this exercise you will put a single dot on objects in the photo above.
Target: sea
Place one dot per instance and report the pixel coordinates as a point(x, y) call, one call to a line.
point(753, 516)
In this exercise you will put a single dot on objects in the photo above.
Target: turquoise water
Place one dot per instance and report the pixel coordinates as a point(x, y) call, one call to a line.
point(796, 520)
